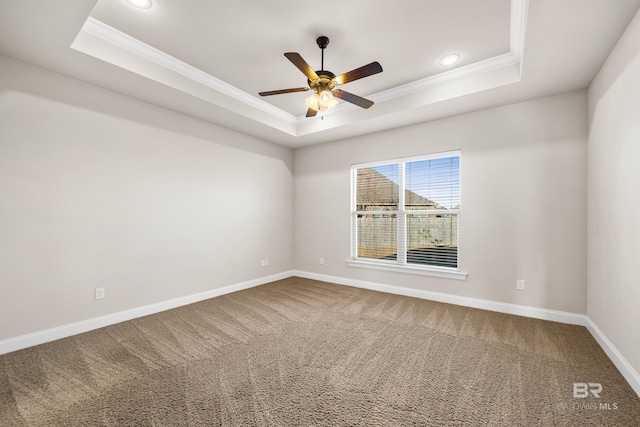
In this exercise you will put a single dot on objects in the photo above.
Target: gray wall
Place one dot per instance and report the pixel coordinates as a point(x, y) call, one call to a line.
point(614, 197)
point(524, 187)
point(99, 189)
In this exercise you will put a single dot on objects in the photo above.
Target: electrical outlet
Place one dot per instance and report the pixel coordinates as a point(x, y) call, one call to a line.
point(266, 262)
point(321, 261)
point(99, 293)
point(520, 285)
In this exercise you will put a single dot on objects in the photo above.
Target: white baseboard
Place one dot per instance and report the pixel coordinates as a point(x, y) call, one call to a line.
point(501, 307)
point(41, 337)
point(625, 368)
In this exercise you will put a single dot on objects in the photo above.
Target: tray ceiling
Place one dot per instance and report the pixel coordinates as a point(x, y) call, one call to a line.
point(210, 59)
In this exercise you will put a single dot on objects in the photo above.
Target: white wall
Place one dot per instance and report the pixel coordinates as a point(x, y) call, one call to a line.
point(614, 197)
point(523, 201)
point(99, 189)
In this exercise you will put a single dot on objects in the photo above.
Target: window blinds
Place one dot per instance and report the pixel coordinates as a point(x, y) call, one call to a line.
point(407, 211)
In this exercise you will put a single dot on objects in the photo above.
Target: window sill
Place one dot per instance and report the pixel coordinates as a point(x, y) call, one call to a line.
point(447, 273)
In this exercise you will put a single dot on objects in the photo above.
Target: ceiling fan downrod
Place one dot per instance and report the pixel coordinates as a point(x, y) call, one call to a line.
point(323, 42)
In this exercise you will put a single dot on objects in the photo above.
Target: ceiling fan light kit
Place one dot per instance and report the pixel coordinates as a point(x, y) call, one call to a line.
point(323, 83)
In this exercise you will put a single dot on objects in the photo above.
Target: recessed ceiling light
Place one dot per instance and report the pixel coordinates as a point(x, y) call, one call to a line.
point(142, 4)
point(449, 59)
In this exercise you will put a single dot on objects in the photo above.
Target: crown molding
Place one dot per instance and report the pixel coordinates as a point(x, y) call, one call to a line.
point(517, 30)
point(518, 27)
point(297, 126)
point(124, 41)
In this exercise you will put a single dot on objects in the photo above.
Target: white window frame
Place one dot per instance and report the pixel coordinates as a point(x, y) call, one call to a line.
point(400, 265)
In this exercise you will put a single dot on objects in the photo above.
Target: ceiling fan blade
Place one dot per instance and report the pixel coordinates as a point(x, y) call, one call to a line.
point(302, 65)
point(281, 91)
point(354, 99)
point(358, 73)
point(311, 112)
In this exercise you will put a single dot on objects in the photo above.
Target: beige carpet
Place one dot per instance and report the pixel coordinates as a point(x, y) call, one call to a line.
point(304, 353)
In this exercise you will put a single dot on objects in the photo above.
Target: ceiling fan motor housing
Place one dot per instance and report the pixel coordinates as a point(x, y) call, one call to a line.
point(325, 81)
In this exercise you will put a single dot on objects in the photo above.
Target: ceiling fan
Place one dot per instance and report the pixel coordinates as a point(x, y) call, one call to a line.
point(324, 82)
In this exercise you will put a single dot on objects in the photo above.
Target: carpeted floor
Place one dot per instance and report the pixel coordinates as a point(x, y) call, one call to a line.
point(304, 353)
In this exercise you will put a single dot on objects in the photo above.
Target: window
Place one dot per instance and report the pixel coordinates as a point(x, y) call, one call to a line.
point(404, 214)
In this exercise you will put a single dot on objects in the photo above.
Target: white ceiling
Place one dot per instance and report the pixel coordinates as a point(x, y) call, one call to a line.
point(210, 59)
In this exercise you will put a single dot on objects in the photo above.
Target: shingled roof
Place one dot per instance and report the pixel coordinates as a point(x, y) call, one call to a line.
point(376, 192)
